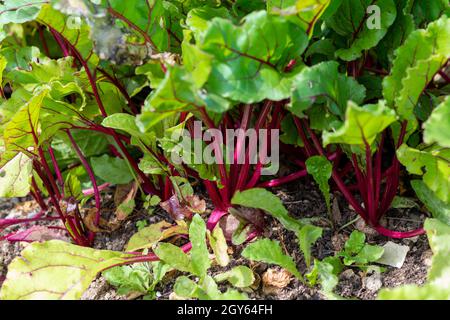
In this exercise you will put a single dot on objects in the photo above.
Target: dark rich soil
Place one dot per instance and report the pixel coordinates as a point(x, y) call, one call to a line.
point(303, 200)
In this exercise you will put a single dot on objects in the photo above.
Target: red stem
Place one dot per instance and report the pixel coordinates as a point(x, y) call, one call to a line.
point(91, 175)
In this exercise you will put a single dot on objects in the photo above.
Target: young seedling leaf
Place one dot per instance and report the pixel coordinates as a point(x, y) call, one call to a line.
point(267, 201)
point(199, 252)
point(240, 277)
point(269, 251)
point(320, 168)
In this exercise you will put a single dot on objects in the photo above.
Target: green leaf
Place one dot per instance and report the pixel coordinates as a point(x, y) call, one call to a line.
point(322, 83)
point(307, 236)
point(219, 246)
point(437, 127)
point(355, 242)
point(439, 238)
point(22, 129)
point(15, 177)
point(126, 123)
point(185, 287)
point(415, 65)
point(19, 11)
point(326, 273)
point(403, 203)
point(357, 252)
point(198, 18)
point(178, 92)
point(143, 18)
point(72, 187)
point(438, 208)
point(320, 168)
point(129, 279)
point(150, 235)
point(362, 124)
point(76, 33)
point(240, 277)
point(269, 251)
point(111, 169)
point(433, 164)
point(173, 256)
point(55, 270)
point(303, 13)
point(249, 70)
point(137, 278)
point(414, 292)
point(359, 26)
point(416, 80)
point(265, 200)
point(199, 252)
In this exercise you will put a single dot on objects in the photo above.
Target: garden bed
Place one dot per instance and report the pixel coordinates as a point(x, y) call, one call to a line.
point(303, 200)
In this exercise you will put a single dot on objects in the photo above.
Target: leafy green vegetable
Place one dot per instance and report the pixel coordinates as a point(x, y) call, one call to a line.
point(322, 83)
point(15, 177)
point(199, 253)
point(269, 251)
point(267, 201)
point(112, 170)
point(240, 277)
point(55, 270)
point(438, 208)
point(173, 256)
point(362, 28)
point(320, 168)
point(362, 124)
point(219, 246)
point(139, 278)
point(436, 127)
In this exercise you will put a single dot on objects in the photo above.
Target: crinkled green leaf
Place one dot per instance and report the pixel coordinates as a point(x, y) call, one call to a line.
point(173, 256)
point(415, 65)
point(15, 177)
point(198, 18)
point(267, 201)
point(55, 270)
point(397, 32)
point(304, 13)
point(269, 251)
point(137, 278)
point(416, 80)
point(326, 273)
point(355, 242)
point(75, 32)
point(437, 127)
point(362, 124)
point(249, 59)
point(359, 26)
point(307, 236)
point(111, 169)
point(322, 83)
point(152, 234)
point(22, 129)
point(142, 17)
point(433, 164)
point(199, 252)
point(19, 11)
point(357, 252)
point(320, 168)
point(438, 208)
point(240, 277)
point(219, 246)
